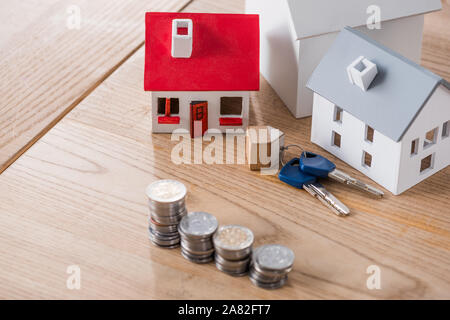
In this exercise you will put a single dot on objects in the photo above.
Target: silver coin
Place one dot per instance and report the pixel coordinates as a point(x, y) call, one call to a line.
point(233, 238)
point(265, 277)
point(167, 210)
point(239, 270)
point(274, 257)
point(166, 235)
point(269, 273)
point(269, 286)
point(197, 248)
point(194, 255)
point(198, 225)
point(163, 246)
point(163, 228)
point(166, 191)
point(162, 234)
point(232, 264)
point(234, 255)
point(197, 252)
point(168, 220)
point(205, 242)
point(164, 243)
point(162, 238)
point(234, 273)
point(196, 240)
point(196, 259)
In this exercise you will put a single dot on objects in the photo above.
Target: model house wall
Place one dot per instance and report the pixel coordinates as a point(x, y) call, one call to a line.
point(214, 109)
point(279, 48)
point(384, 152)
point(435, 115)
point(290, 51)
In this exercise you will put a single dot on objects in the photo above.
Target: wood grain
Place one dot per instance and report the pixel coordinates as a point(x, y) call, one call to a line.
point(76, 197)
point(46, 68)
point(436, 41)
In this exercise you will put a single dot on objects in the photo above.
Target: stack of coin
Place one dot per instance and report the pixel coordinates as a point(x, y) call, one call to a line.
point(167, 208)
point(233, 245)
point(196, 230)
point(270, 265)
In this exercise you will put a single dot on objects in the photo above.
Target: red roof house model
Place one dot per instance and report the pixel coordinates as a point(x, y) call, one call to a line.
point(201, 68)
point(225, 53)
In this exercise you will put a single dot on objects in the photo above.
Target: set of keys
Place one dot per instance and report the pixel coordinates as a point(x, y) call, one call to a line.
point(304, 171)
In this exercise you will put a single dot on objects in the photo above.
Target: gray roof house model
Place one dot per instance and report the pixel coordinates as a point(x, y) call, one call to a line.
point(295, 34)
point(404, 108)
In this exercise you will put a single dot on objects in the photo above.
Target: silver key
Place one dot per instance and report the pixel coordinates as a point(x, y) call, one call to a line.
point(320, 166)
point(323, 195)
point(292, 175)
point(345, 178)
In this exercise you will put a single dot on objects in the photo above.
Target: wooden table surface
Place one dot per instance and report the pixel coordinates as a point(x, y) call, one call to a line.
point(77, 154)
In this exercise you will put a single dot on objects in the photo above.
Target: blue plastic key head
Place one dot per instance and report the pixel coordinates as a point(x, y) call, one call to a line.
point(291, 175)
point(316, 165)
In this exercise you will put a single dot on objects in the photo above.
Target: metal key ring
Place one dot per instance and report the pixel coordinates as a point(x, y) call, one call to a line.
point(283, 149)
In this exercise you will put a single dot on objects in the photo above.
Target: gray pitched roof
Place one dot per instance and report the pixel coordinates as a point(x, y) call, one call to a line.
point(396, 95)
point(315, 17)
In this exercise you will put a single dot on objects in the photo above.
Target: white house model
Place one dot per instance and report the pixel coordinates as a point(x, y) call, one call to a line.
point(295, 34)
point(200, 68)
point(380, 112)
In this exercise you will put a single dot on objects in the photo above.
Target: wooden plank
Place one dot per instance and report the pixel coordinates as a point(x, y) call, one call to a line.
point(436, 41)
point(77, 198)
point(47, 65)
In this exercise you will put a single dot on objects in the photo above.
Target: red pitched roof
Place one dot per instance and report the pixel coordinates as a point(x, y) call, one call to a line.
point(225, 53)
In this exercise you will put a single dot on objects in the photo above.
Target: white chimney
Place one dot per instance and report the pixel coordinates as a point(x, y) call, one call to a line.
point(181, 38)
point(361, 72)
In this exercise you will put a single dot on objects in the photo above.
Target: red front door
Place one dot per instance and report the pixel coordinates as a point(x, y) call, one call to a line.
point(199, 118)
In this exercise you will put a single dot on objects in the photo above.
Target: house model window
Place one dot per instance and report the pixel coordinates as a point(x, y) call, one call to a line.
point(446, 129)
point(414, 146)
point(338, 114)
point(369, 134)
point(230, 111)
point(336, 139)
point(367, 159)
point(182, 30)
point(427, 163)
point(168, 106)
point(168, 110)
point(231, 106)
point(430, 138)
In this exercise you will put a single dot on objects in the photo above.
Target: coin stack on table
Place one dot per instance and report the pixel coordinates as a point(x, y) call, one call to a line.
point(166, 201)
point(233, 245)
point(196, 230)
point(270, 266)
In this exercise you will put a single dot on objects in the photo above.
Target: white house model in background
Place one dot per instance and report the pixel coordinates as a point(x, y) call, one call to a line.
point(295, 34)
point(200, 68)
point(380, 112)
